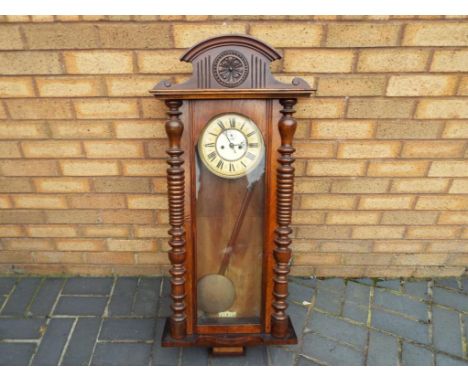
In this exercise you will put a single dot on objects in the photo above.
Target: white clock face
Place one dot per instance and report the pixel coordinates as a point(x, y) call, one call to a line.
point(231, 145)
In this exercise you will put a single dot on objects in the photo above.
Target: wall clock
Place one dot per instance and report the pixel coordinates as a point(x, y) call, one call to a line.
point(230, 186)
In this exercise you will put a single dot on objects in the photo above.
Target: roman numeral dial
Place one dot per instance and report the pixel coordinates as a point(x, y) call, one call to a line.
point(231, 145)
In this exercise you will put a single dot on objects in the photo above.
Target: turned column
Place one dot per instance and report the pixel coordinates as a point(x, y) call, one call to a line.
point(175, 181)
point(284, 198)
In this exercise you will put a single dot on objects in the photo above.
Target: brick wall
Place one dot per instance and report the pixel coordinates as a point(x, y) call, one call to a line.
point(381, 150)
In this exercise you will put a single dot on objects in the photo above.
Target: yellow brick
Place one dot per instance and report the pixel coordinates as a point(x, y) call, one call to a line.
point(9, 150)
point(106, 108)
point(419, 185)
point(61, 36)
point(432, 232)
point(150, 231)
point(351, 86)
point(403, 246)
point(147, 202)
point(436, 34)
point(310, 186)
point(131, 245)
point(279, 35)
point(39, 108)
point(113, 149)
point(68, 18)
point(5, 201)
point(16, 87)
point(80, 129)
point(61, 185)
point(368, 149)
point(449, 168)
point(362, 35)
point(69, 86)
point(122, 184)
point(358, 186)
point(22, 130)
point(10, 37)
point(336, 168)
point(28, 167)
point(318, 60)
point(327, 202)
point(140, 35)
point(89, 167)
point(392, 60)
point(408, 129)
point(380, 108)
point(419, 260)
point(106, 231)
point(160, 185)
point(315, 259)
point(432, 149)
point(448, 246)
point(11, 231)
point(463, 87)
point(129, 86)
point(144, 168)
point(162, 61)
point(398, 168)
point(323, 232)
point(84, 62)
point(140, 129)
point(97, 201)
point(421, 85)
point(127, 216)
point(409, 217)
point(459, 186)
point(39, 201)
point(314, 150)
point(153, 108)
point(28, 244)
point(442, 202)
point(320, 108)
point(79, 245)
point(450, 60)
point(456, 217)
point(51, 231)
point(42, 19)
point(387, 202)
point(341, 129)
point(378, 232)
point(186, 35)
point(308, 217)
point(442, 108)
point(347, 246)
point(51, 149)
point(352, 217)
point(30, 63)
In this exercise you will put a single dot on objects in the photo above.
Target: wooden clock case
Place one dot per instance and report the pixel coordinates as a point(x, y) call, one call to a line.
point(253, 91)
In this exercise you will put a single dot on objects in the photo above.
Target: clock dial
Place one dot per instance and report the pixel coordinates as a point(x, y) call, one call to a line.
point(231, 145)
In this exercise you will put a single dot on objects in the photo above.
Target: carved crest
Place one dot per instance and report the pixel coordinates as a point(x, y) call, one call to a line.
point(234, 66)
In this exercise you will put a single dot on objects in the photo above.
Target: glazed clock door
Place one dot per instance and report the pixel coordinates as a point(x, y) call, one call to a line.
point(230, 154)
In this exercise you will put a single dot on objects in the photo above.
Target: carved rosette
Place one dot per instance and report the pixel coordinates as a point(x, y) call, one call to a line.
point(284, 198)
point(175, 181)
point(230, 68)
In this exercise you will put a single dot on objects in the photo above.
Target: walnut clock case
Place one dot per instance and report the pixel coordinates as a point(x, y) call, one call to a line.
point(230, 187)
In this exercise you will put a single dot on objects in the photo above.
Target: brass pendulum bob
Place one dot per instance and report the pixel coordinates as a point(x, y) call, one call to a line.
point(216, 292)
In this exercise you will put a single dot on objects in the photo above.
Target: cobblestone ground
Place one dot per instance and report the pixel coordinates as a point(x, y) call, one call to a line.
point(118, 321)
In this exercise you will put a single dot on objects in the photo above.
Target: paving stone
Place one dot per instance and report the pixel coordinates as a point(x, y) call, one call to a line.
point(298, 315)
point(400, 326)
point(417, 288)
point(401, 304)
point(88, 285)
point(46, 297)
point(444, 360)
point(82, 342)
point(80, 306)
point(331, 352)
point(302, 361)
point(389, 284)
point(165, 287)
point(16, 354)
point(357, 293)
point(328, 301)
point(365, 281)
point(337, 284)
point(299, 293)
point(310, 282)
point(147, 296)
point(338, 329)
point(448, 282)
point(121, 303)
point(196, 356)
point(279, 356)
point(53, 342)
point(355, 312)
point(254, 356)
point(128, 354)
point(383, 350)
point(453, 299)
point(21, 297)
point(413, 355)
point(164, 309)
point(163, 356)
point(6, 283)
point(465, 284)
point(20, 328)
point(446, 331)
point(135, 329)
point(465, 320)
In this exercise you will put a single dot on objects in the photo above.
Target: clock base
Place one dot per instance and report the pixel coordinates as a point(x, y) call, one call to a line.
point(232, 340)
